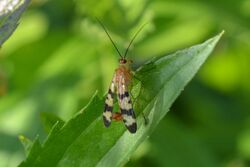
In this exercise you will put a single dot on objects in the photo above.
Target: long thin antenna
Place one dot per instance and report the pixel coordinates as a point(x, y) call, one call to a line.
point(134, 39)
point(109, 37)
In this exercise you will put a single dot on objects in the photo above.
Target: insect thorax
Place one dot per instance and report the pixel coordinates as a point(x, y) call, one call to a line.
point(124, 71)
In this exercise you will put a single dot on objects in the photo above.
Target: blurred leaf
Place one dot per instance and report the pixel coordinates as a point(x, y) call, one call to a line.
point(83, 140)
point(21, 57)
point(243, 143)
point(120, 17)
point(61, 70)
point(168, 142)
point(25, 34)
point(214, 118)
point(228, 70)
point(3, 83)
point(10, 13)
point(176, 24)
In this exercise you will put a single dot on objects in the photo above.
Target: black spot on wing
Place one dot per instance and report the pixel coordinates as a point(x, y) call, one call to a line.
point(128, 112)
point(123, 111)
point(111, 93)
point(107, 114)
point(132, 128)
point(122, 96)
point(126, 94)
point(108, 108)
point(106, 121)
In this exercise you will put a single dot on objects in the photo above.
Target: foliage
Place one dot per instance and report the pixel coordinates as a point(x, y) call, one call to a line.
point(59, 56)
point(83, 141)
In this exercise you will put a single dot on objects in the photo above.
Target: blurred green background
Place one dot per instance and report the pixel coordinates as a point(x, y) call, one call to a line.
point(59, 56)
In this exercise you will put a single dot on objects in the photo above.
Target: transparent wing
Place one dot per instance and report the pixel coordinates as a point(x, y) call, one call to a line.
point(109, 104)
point(125, 104)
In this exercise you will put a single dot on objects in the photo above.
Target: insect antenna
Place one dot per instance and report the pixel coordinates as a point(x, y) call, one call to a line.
point(133, 39)
point(109, 37)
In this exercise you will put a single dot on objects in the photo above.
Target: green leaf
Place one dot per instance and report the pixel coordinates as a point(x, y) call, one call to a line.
point(32, 149)
point(49, 120)
point(29, 145)
point(84, 141)
point(10, 13)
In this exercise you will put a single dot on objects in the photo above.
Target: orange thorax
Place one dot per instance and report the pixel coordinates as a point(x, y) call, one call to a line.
point(123, 72)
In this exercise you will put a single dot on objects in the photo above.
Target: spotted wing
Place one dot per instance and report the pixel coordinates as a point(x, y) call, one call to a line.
point(126, 106)
point(109, 103)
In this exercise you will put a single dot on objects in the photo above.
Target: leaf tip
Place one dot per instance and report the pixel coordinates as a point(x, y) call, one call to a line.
point(221, 33)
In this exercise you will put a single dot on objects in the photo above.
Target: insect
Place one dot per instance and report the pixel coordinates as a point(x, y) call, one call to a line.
point(122, 78)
